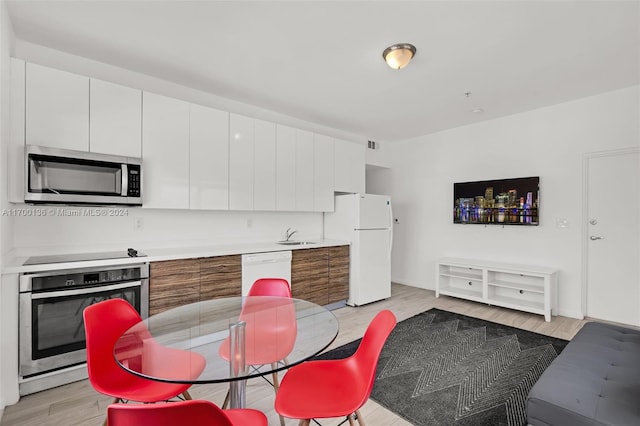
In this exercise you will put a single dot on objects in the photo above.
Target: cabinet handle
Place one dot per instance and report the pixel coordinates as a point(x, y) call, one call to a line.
point(521, 291)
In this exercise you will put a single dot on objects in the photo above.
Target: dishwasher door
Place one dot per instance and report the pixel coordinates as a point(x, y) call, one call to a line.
point(276, 264)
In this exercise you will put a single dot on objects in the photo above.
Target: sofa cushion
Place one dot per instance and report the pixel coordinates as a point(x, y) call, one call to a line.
point(594, 381)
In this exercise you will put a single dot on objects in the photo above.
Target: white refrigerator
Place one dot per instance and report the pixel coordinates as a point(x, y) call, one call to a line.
point(366, 221)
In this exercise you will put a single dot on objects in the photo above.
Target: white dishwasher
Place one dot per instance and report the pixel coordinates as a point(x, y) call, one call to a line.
point(275, 264)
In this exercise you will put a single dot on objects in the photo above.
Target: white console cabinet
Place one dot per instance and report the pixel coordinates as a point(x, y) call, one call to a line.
point(522, 287)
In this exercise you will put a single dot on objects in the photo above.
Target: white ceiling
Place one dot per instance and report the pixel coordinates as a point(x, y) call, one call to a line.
point(321, 61)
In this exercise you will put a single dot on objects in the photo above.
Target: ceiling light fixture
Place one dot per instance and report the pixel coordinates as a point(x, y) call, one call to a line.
point(399, 55)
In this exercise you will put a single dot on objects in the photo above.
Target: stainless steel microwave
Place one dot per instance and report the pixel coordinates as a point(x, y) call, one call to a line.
point(75, 177)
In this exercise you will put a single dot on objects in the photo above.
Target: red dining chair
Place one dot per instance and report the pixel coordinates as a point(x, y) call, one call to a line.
point(278, 287)
point(337, 387)
point(104, 323)
point(192, 413)
point(270, 334)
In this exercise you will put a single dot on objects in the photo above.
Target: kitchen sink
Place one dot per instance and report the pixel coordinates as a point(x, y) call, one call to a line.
point(294, 243)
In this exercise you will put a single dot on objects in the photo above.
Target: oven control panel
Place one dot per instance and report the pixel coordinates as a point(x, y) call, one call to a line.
point(55, 280)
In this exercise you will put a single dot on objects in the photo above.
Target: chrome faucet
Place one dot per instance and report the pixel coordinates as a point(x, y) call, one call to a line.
point(289, 233)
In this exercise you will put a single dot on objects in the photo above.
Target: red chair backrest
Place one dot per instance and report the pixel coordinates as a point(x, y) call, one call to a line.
point(365, 359)
point(104, 323)
point(192, 413)
point(270, 287)
point(271, 326)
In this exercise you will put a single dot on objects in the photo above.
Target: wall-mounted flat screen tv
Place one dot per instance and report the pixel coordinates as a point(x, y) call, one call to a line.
point(497, 202)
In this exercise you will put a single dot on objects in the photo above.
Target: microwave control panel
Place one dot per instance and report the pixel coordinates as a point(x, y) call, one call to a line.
point(134, 180)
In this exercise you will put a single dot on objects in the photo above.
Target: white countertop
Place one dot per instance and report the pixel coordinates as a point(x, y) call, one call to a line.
point(14, 264)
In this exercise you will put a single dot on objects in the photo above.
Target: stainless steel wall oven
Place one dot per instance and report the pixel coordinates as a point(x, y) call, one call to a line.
point(52, 341)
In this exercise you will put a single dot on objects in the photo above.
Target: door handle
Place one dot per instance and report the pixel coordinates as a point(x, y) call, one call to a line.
point(594, 238)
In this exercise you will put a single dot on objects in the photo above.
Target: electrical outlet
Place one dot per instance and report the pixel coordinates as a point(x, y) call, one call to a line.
point(138, 223)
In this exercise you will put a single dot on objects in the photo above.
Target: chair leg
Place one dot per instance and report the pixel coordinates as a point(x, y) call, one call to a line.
point(305, 422)
point(186, 395)
point(225, 404)
point(350, 418)
point(359, 418)
point(276, 386)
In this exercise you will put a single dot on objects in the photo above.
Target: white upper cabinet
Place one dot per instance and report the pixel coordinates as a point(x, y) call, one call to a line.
point(349, 172)
point(209, 158)
point(323, 174)
point(15, 149)
point(115, 122)
point(264, 180)
point(304, 170)
point(285, 168)
point(165, 144)
point(57, 108)
point(241, 142)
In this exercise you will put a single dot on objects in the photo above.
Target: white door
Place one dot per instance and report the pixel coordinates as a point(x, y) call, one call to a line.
point(264, 178)
point(241, 161)
point(374, 211)
point(613, 237)
point(57, 108)
point(304, 171)
point(322, 173)
point(115, 119)
point(285, 168)
point(371, 278)
point(208, 158)
point(165, 144)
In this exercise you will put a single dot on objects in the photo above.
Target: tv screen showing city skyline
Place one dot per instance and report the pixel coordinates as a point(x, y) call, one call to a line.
point(497, 202)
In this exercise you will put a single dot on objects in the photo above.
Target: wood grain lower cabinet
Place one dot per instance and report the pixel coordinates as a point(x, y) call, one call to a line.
point(320, 275)
point(220, 276)
point(338, 274)
point(310, 275)
point(173, 283)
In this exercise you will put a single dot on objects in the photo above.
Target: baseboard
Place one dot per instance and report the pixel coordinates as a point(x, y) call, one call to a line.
point(570, 314)
point(410, 283)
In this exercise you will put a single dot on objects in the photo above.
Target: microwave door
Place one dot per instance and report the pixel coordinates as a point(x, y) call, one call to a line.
point(39, 178)
point(57, 177)
point(69, 177)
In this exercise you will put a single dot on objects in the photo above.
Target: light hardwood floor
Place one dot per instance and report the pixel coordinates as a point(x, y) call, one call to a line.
point(78, 404)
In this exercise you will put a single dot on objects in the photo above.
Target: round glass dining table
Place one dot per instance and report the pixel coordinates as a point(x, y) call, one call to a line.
point(226, 340)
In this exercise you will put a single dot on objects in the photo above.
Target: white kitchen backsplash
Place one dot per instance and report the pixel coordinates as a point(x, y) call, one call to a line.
point(45, 229)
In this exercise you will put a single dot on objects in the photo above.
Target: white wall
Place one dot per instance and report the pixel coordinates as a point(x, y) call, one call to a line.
point(548, 142)
point(7, 368)
point(161, 227)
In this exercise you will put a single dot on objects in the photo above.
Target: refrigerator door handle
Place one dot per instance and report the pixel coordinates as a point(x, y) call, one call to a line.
point(390, 229)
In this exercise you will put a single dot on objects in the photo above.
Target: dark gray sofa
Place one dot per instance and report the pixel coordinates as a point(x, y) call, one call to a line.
point(594, 381)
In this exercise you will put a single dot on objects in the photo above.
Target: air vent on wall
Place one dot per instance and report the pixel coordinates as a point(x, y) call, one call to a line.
point(373, 145)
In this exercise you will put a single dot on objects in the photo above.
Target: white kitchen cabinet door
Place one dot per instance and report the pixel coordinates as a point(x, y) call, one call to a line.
point(241, 146)
point(304, 170)
point(349, 172)
point(209, 153)
point(15, 151)
point(285, 168)
point(115, 119)
point(165, 147)
point(57, 108)
point(264, 181)
point(323, 199)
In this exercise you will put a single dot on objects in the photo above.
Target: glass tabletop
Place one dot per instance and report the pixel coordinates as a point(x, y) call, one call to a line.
point(192, 343)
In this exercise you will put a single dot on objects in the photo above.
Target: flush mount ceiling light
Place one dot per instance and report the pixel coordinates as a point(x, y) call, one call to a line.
point(399, 55)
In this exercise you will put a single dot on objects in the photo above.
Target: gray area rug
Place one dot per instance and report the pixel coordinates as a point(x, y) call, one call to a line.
point(441, 368)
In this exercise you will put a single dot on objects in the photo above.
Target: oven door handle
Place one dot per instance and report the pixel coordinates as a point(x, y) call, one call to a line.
point(90, 290)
